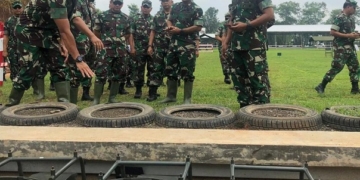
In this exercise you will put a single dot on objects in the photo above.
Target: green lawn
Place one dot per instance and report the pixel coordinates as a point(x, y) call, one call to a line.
point(293, 77)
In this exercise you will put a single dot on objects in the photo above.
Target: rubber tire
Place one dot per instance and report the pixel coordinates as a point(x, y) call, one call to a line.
point(9, 117)
point(341, 121)
point(311, 120)
point(146, 116)
point(166, 119)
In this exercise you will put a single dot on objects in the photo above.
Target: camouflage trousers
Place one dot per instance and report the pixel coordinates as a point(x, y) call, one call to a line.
point(32, 60)
point(13, 60)
point(138, 68)
point(129, 60)
point(224, 64)
point(112, 68)
point(75, 75)
point(180, 63)
point(250, 76)
point(349, 57)
point(157, 66)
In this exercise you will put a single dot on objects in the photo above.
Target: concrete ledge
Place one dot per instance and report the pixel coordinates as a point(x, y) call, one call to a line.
point(320, 149)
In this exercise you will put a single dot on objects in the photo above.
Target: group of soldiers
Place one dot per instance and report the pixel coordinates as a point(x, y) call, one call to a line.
point(69, 40)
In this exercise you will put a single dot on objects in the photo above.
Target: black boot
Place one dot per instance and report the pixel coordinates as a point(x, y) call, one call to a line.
point(172, 86)
point(62, 90)
point(152, 94)
point(128, 83)
point(138, 92)
point(122, 90)
point(321, 87)
point(15, 97)
point(227, 79)
point(86, 95)
point(98, 91)
point(74, 95)
point(52, 87)
point(355, 88)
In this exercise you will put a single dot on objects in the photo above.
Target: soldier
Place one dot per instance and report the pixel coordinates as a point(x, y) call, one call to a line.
point(112, 26)
point(158, 47)
point(184, 23)
point(343, 30)
point(224, 64)
point(140, 28)
point(39, 30)
point(247, 33)
point(82, 43)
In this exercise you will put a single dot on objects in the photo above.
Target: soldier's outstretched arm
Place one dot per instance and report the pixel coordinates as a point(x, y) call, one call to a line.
point(80, 24)
point(67, 37)
point(150, 49)
point(5, 45)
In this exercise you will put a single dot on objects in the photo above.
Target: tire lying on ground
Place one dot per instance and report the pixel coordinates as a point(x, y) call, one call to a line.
point(117, 115)
point(39, 114)
point(280, 117)
point(187, 116)
point(334, 119)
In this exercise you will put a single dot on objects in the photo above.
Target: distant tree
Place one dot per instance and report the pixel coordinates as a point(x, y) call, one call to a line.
point(134, 9)
point(313, 13)
point(333, 14)
point(288, 12)
point(211, 20)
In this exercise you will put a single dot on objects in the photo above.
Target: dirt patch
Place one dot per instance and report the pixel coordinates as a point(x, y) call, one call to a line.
point(278, 112)
point(196, 113)
point(39, 111)
point(116, 112)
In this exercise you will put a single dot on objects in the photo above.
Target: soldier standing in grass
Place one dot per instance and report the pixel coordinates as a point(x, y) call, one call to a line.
point(247, 34)
point(112, 26)
point(83, 45)
point(38, 30)
point(184, 23)
point(158, 48)
point(343, 30)
point(140, 28)
point(219, 35)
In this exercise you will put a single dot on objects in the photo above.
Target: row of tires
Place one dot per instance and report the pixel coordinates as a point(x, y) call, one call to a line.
point(221, 117)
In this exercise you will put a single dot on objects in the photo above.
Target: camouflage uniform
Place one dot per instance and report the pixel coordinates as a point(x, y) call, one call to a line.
point(181, 58)
point(112, 59)
point(344, 51)
point(249, 62)
point(38, 43)
point(13, 56)
point(224, 63)
point(140, 28)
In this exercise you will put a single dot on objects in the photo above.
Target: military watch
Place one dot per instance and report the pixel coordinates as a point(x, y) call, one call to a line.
point(79, 59)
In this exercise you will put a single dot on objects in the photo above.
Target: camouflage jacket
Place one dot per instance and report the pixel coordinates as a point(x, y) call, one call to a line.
point(220, 32)
point(9, 28)
point(158, 24)
point(140, 28)
point(346, 25)
point(36, 25)
point(82, 11)
point(183, 16)
point(246, 11)
point(113, 27)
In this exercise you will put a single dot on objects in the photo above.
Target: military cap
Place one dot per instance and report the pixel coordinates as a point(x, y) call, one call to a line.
point(146, 3)
point(16, 3)
point(352, 2)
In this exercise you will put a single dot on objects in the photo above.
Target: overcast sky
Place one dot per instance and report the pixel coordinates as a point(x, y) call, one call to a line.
point(222, 5)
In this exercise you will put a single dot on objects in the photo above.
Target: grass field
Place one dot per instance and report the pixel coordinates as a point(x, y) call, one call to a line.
point(293, 77)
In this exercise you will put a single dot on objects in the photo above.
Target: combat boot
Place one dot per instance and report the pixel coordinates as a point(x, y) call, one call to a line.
point(172, 86)
point(122, 90)
point(152, 94)
point(35, 88)
point(114, 90)
point(98, 91)
point(355, 88)
point(74, 95)
point(227, 79)
point(86, 95)
point(128, 83)
point(15, 97)
point(40, 84)
point(188, 87)
point(138, 92)
point(321, 87)
point(62, 90)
